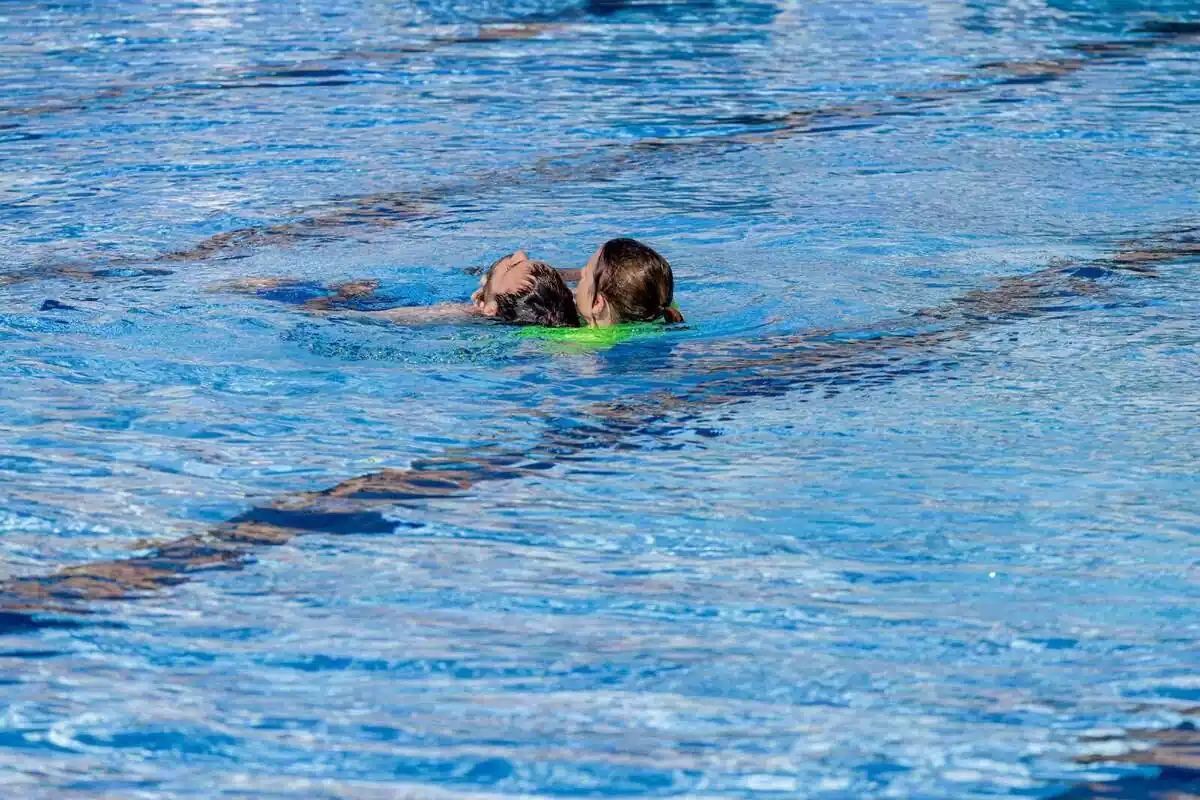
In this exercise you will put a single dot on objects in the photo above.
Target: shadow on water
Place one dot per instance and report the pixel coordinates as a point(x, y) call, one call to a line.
point(335, 220)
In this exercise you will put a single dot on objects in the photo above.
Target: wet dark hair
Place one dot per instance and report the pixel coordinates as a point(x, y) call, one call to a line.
point(636, 282)
point(545, 300)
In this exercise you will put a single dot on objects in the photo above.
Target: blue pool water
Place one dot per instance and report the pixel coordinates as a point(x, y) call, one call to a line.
point(908, 508)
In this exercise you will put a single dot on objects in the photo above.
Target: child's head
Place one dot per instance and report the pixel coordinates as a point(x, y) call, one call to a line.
point(526, 292)
point(626, 281)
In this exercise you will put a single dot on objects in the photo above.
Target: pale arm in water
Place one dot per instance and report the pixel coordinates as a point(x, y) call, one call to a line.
point(416, 315)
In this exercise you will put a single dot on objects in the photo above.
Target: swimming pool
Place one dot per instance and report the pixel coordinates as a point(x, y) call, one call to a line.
point(907, 508)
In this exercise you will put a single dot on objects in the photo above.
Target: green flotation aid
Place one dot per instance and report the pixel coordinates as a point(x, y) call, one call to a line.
point(587, 340)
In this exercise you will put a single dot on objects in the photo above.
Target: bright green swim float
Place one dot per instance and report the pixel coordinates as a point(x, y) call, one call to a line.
point(588, 340)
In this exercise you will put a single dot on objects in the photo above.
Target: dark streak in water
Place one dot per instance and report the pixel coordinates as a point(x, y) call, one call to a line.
point(392, 208)
point(52, 271)
point(718, 375)
point(353, 506)
point(301, 72)
point(308, 75)
point(1173, 754)
point(721, 375)
point(1168, 27)
point(568, 167)
point(272, 85)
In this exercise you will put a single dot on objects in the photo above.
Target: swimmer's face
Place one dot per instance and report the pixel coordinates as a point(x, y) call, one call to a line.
point(592, 307)
point(509, 275)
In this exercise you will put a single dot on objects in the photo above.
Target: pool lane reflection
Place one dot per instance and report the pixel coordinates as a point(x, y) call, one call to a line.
point(717, 375)
point(338, 219)
point(1172, 755)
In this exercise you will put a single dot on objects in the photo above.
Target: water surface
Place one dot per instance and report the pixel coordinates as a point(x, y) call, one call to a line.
point(906, 509)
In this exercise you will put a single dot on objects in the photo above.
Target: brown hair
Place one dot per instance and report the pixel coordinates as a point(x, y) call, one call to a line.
point(544, 300)
point(636, 282)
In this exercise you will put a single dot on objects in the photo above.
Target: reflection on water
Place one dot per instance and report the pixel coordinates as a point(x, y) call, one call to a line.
point(1172, 754)
point(393, 208)
point(735, 371)
point(906, 509)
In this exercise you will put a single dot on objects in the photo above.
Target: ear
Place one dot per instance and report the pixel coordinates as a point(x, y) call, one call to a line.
point(490, 308)
point(519, 256)
point(601, 311)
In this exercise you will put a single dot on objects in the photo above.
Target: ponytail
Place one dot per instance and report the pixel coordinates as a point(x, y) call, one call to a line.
point(672, 315)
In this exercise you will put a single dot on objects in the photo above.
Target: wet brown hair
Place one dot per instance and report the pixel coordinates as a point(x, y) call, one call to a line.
point(545, 300)
point(636, 282)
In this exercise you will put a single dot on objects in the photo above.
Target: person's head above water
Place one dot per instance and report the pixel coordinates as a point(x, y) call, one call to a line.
point(626, 281)
point(526, 292)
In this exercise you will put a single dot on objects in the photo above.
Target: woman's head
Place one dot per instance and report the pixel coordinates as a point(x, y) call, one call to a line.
point(626, 281)
point(526, 292)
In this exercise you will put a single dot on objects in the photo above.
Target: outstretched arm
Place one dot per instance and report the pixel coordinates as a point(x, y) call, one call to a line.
point(416, 315)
